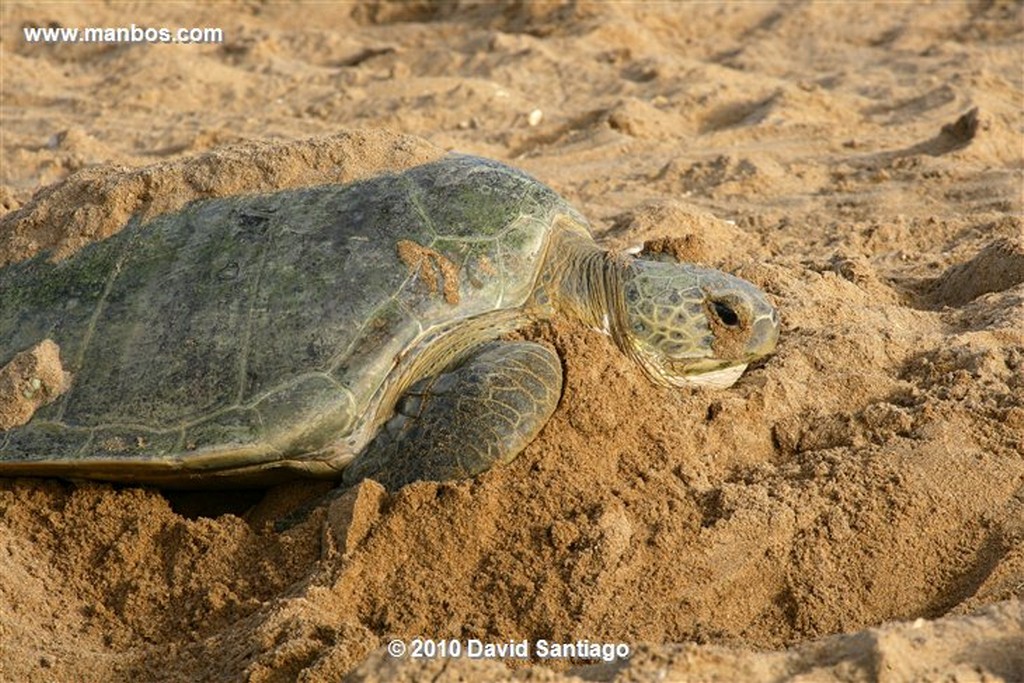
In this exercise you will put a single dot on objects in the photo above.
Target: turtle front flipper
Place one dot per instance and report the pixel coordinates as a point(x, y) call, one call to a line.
point(461, 422)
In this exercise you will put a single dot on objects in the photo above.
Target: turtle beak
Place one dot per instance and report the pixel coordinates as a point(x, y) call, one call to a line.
point(764, 336)
point(699, 371)
point(717, 379)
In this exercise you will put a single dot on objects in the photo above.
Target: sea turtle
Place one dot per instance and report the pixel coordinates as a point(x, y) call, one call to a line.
point(346, 331)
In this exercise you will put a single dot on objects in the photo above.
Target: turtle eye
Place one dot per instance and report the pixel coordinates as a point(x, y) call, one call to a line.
point(725, 313)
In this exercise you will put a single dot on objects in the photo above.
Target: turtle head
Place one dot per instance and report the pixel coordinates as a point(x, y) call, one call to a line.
point(687, 324)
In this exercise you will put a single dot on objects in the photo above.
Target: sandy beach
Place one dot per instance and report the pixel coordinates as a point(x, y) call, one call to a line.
point(852, 510)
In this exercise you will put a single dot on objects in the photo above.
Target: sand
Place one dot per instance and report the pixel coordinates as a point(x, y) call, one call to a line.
point(851, 511)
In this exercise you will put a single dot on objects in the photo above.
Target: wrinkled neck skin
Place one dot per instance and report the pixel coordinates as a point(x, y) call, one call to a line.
point(584, 282)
